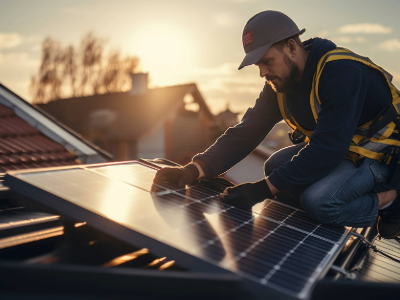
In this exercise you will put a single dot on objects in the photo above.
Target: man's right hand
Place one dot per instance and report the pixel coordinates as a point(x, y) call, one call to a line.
point(180, 176)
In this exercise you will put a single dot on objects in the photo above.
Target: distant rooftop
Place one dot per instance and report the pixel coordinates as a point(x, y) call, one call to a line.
point(131, 115)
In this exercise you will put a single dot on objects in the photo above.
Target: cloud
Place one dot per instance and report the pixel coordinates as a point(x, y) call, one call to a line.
point(390, 45)
point(17, 59)
point(348, 40)
point(360, 39)
point(365, 28)
point(343, 40)
point(10, 40)
point(32, 39)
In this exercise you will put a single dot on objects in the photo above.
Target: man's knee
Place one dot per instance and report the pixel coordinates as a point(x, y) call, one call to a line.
point(270, 165)
point(320, 206)
point(281, 157)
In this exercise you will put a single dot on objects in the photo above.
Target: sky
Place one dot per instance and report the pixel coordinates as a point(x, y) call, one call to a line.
point(184, 41)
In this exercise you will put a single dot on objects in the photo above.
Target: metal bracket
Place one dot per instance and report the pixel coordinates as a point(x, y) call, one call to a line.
point(346, 274)
point(362, 238)
point(373, 247)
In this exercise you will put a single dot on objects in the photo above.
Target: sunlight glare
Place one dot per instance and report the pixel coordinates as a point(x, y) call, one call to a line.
point(164, 51)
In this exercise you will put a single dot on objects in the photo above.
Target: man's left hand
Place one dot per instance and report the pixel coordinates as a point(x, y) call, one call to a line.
point(244, 196)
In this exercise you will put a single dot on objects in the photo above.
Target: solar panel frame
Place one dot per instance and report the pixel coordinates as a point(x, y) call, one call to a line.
point(136, 238)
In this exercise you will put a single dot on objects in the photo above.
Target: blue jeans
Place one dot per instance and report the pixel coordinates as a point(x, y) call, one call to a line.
point(345, 197)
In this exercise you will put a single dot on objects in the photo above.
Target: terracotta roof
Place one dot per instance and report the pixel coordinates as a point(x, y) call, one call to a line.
point(134, 114)
point(23, 146)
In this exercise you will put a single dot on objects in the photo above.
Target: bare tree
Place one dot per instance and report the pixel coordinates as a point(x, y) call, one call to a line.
point(67, 72)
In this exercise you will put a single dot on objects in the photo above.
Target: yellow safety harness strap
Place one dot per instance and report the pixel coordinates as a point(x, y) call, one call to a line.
point(287, 116)
point(369, 146)
point(363, 144)
point(343, 53)
point(366, 153)
point(284, 112)
point(386, 142)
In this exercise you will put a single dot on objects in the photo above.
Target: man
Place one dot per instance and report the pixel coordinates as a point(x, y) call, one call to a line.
point(336, 170)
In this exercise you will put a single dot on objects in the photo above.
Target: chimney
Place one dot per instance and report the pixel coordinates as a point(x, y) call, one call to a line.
point(139, 83)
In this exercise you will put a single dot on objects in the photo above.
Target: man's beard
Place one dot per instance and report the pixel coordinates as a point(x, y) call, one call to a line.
point(289, 81)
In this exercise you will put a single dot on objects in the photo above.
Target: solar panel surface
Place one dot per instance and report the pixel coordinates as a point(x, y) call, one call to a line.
point(279, 247)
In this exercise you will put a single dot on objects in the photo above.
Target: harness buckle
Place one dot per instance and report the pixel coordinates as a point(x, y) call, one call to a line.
point(382, 119)
point(387, 155)
point(364, 132)
point(297, 136)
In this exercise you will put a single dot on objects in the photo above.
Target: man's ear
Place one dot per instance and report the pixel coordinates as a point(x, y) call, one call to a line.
point(292, 47)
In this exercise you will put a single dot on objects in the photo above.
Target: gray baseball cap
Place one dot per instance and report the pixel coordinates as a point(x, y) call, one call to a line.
point(262, 31)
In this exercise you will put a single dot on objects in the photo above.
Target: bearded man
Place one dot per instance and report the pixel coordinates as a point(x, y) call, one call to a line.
point(343, 167)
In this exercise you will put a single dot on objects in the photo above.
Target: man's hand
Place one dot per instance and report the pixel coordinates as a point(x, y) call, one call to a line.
point(179, 176)
point(244, 196)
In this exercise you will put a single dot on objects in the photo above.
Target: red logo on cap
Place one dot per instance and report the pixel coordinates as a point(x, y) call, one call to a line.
point(247, 38)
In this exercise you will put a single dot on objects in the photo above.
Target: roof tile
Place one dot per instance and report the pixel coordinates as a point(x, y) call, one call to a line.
point(19, 147)
point(5, 112)
point(23, 146)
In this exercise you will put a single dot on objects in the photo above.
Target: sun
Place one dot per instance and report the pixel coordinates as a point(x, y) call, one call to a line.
point(163, 47)
point(164, 51)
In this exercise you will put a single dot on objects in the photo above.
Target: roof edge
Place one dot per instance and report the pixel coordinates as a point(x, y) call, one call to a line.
point(188, 85)
point(52, 128)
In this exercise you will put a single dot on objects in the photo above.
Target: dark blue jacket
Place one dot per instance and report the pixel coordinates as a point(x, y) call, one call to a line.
point(351, 95)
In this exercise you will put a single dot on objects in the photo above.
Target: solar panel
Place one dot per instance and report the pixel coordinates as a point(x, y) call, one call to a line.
point(278, 249)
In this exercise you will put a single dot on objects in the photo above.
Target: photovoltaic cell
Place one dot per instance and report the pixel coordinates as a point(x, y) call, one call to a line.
point(279, 247)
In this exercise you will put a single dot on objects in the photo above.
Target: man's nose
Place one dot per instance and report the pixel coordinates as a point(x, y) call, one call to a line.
point(263, 71)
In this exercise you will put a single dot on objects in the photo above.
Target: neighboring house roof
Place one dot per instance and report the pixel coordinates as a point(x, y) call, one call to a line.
point(31, 139)
point(123, 115)
point(228, 112)
point(227, 118)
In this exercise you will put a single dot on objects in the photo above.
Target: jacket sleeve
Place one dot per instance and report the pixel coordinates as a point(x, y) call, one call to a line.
point(239, 141)
point(342, 93)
